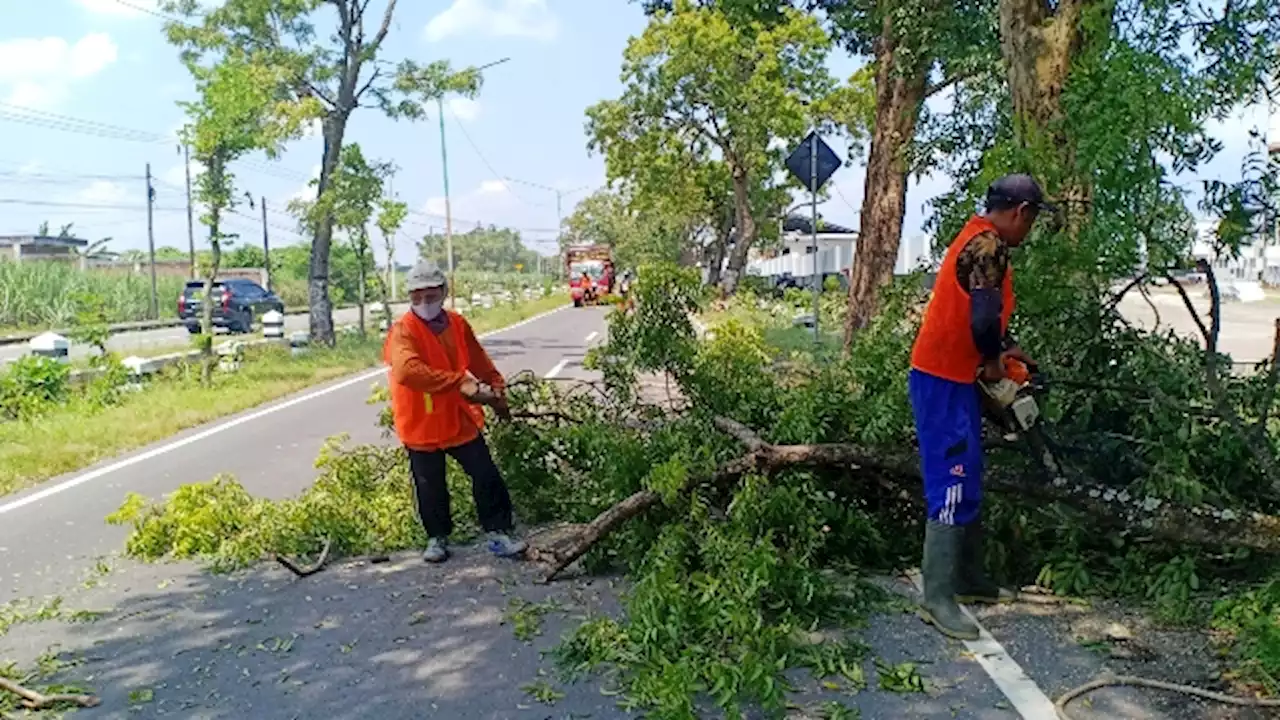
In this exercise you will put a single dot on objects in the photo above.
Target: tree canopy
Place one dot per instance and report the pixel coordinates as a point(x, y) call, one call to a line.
point(482, 249)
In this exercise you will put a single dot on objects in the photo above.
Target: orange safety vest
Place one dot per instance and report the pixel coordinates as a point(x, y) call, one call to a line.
point(431, 421)
point(944, 347)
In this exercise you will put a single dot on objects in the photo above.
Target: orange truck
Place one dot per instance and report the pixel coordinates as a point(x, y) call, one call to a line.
point(590, 272)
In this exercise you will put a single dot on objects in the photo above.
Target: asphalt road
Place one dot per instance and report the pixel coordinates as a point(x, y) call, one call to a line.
point(404, 640)
point(45, 545)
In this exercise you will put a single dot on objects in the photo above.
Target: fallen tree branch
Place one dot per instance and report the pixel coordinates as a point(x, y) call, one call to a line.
point(309, 570)
point(1259, 450)
point(33, 700)
point(1201, 525)
point(1128, 680)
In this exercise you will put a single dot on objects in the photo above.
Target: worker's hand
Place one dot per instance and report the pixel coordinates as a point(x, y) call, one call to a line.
point(501, 407)
point(1017, 353)
point(992, 371)
point(470, 390)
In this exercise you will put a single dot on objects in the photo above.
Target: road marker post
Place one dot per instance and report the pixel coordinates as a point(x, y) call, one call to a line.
point(51, 345)
point(273, 326)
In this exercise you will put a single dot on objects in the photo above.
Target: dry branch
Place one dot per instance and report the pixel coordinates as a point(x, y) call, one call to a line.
point(1128, 680)
point(33, 700)
point(311, 569)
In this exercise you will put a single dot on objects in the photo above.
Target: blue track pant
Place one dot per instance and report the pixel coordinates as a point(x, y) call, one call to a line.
point(949, 425)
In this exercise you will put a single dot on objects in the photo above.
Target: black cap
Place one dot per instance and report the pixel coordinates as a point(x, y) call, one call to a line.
point(1012, 190)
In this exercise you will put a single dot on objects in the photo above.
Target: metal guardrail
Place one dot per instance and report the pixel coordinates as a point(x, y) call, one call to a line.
point(140, 325)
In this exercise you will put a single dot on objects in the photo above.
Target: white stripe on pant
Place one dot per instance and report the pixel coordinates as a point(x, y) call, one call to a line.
point(947, 515)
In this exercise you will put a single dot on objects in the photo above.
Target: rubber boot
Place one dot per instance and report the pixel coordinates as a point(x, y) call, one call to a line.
point(974, 586)
point(940, 570)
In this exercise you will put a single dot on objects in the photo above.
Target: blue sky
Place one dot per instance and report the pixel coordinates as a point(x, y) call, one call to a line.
point(106, 62)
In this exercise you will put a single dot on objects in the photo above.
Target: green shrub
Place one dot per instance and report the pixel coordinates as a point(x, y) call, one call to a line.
point(31, 385)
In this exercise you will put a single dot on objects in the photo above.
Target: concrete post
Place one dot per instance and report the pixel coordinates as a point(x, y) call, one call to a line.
point(298, 341)
point(379, 311)
point(50, 345)
point(273, 326)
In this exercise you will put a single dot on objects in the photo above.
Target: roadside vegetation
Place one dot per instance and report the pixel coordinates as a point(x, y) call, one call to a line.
point(750, 499)
point(37, 296)
point(49, 427)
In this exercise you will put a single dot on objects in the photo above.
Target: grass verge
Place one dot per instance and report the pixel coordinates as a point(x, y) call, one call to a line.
point(78, 434)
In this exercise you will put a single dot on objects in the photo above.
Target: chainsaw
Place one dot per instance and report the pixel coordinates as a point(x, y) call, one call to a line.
point(1010, 405)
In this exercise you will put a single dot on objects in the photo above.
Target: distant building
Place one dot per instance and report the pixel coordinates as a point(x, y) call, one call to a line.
point(836, 249)
point(39, 247)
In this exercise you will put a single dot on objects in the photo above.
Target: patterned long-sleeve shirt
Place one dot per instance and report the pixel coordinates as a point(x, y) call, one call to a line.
point(980, 269)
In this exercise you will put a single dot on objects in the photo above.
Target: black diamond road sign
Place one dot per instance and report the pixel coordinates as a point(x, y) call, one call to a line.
point(800, 164)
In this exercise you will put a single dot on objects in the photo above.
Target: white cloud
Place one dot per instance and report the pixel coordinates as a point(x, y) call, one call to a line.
point(38, 72)
point(492, 187)
point(306, 193)
point(464, 109)
point(105, 192)
point(176, 176)
point(495, 18)
point(490, 202)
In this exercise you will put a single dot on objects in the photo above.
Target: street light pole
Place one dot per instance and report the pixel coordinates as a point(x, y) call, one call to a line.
point(444, 163)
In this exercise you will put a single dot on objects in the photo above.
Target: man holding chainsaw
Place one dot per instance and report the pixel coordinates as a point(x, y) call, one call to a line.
point(964, 338)
point(435, 362)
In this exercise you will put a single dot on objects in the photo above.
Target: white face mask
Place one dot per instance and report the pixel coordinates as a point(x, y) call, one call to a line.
point(428, 311)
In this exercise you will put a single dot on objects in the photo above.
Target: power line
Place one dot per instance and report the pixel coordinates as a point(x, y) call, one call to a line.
point(93, 128)
point(497, 175)
point(86, 206)
point(149, 11)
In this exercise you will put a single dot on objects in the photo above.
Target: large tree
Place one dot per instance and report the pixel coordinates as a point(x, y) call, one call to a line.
point(354, 195)
point(238, 111)
point(343, 72)
point(915, 49)
point(708, 85)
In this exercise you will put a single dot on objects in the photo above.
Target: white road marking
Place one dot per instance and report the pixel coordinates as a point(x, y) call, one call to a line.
point(1023, 693)
point(592, 336)
point(236, 422)
point(557, 369)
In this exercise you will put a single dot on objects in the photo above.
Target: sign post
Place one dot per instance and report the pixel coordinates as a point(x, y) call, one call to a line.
point(813, 162)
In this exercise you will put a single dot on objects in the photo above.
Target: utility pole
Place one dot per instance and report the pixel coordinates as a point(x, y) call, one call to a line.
point(444, 162)
point(191, 226)
point(151, 244)
point(448, 211)
point(266, 244)
point(559, 203)
point(813, 221)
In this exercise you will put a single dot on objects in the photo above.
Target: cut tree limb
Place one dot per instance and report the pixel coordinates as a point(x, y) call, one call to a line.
point(33, 700)
point(1201, 525)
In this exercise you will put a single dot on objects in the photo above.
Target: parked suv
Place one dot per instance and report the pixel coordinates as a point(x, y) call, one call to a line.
point(236, 303)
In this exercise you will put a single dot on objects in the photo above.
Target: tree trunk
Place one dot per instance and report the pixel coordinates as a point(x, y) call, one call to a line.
point(899, 95)
point(207, 360)
point(335, 128)
point(746, 231)
point(360, 275)
point(715, 255)
point(1039, 46)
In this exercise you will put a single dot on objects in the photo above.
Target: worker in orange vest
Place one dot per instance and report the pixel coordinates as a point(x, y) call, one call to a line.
point(964, 336)
point(435, 363)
